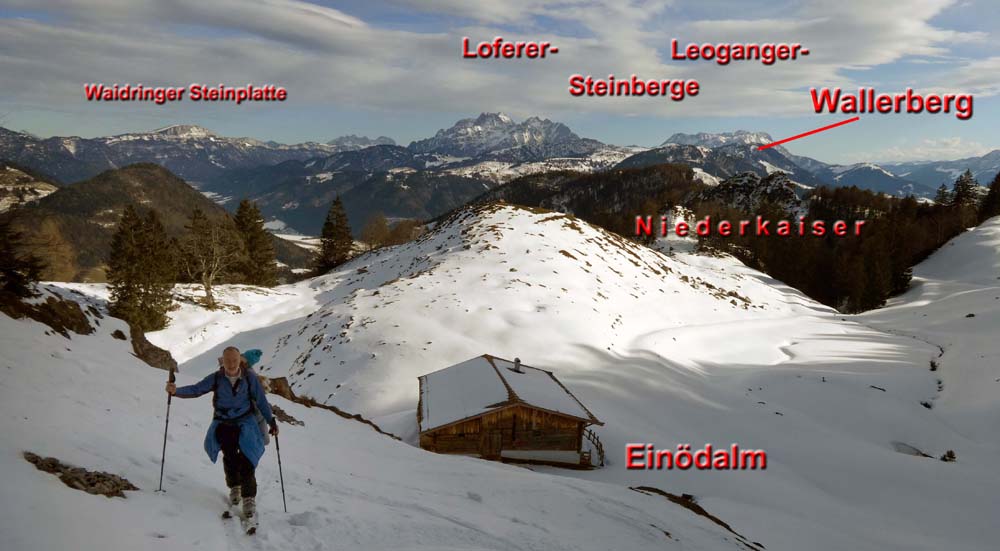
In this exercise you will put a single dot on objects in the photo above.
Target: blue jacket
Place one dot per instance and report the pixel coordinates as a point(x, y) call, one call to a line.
point(234, 405)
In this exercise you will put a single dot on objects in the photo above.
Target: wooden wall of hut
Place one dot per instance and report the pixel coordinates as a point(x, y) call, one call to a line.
point(516, 428)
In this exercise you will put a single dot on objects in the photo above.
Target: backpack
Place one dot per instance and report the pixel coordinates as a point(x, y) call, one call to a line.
point(261, 422)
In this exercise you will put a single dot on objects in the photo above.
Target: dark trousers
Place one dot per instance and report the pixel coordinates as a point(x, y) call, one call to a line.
point(239, 470)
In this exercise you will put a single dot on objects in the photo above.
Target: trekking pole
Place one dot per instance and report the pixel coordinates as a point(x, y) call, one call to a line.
point(163, 455)
point(277, 446)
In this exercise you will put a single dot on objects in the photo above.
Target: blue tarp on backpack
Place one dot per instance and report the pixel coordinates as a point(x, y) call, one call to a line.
point(253, 356)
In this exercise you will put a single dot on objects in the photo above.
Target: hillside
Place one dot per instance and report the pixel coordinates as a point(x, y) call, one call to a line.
point(71, 229)
point(19, 185)
point(954, 303)
point(398, 193)
point(663, 349)
point(873, 177)
point(85, 400)
point(610, 198)
point(727, 159)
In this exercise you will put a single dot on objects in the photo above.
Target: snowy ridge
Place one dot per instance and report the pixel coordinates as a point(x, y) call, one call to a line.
point(841, 169)
point(501, 171)
point(705, 177)
point(585, 271)
point(707, 139)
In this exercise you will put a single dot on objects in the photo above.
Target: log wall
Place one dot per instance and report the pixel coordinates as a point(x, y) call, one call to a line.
point(516, 428)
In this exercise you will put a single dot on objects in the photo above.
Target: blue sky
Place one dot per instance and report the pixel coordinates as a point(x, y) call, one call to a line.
point(395, 68)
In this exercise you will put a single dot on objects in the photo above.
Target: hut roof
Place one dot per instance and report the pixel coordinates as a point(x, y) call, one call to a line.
point(486, 383)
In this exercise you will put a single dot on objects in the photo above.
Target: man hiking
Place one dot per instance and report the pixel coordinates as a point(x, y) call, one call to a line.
point(234, 428)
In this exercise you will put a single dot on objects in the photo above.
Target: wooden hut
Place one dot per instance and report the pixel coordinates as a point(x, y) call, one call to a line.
point(497, 409)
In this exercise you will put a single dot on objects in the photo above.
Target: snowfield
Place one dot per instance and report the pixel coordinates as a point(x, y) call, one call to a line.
point(664, 347)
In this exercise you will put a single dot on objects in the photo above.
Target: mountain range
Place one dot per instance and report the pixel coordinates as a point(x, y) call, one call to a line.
point(192, 152)
point(295, 183)
point(934, 173)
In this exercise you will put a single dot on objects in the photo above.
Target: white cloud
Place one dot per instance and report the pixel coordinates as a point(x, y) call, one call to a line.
point(977, 77)
point(940, 149)
point(325, 56)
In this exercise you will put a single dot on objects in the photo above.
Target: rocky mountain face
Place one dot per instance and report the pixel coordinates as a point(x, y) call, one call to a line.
point(71, 228)
point(192, 152)
point(747, 191)
point(19, 186)
point(498, 137)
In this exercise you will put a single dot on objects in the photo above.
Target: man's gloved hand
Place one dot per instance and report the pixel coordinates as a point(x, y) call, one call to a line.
point(273, 431)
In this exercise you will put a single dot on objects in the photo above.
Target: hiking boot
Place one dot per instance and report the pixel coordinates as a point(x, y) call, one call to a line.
point(249, 509)
point(234, 495)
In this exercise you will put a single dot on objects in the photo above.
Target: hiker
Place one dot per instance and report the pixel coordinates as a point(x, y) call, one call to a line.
point(235, 429)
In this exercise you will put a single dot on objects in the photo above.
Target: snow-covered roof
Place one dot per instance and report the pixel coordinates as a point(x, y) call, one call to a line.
point(486, 383)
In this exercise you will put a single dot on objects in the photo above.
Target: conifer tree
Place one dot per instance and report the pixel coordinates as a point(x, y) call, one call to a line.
point(965, 189)
point(159, 272)
point(990, 206)
point(211, 249)
point(966, 199)
point(123, 268)
point(19, 271)
point(257, 266)
point(336, 239)
point(141, 271)
point(943, 196)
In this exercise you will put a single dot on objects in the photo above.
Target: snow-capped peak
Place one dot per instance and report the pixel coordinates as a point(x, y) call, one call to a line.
point(497, 133)
point(706, 139)
point(185, 131)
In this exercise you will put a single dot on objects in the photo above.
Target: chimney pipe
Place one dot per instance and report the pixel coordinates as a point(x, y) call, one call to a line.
point(517, 365)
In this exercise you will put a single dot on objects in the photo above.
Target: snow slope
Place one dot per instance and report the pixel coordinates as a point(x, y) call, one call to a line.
point(663, 348)
point(954, 303)
point(88, 402)
point(501, 280)
point(666, 357)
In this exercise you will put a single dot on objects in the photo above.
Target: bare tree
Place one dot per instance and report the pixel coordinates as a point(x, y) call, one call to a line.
point(211, 248)
point(375, 234)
